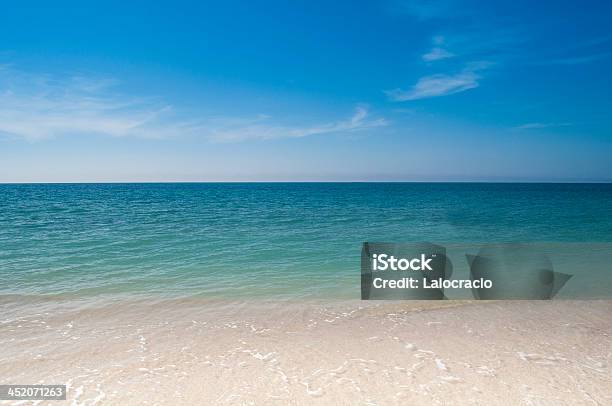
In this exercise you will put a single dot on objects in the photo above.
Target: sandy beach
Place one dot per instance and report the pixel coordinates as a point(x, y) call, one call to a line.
point(351, 352)
point(371, 203)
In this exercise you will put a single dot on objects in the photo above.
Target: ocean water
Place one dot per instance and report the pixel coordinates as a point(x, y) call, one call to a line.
point(275, 240)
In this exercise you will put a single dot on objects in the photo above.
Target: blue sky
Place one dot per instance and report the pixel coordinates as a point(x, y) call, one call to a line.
point(391, 90)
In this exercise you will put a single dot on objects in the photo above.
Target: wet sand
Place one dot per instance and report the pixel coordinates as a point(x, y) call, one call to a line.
point(369, 353)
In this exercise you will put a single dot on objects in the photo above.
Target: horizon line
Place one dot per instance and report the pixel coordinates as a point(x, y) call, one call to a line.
point(313, 182)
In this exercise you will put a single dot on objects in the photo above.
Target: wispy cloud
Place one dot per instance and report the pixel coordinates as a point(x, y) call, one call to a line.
point(40, 106)
point(575, 60)
point(464, 46)
point(468, 50)
point(577, 53)
point(37, 106)
point(233, 129)
point(535, 126)
point(438, 85)
point(437, 52)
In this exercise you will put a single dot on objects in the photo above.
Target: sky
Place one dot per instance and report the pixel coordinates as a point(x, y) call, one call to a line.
point(390, 90)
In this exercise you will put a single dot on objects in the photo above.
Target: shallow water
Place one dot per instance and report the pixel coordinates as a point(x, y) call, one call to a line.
point(197, 351)
point(283, 241)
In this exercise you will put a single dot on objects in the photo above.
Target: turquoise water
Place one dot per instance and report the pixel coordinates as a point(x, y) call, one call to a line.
point(265, 240)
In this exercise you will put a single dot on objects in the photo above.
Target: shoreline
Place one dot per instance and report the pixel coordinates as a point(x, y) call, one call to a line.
point(321, 352)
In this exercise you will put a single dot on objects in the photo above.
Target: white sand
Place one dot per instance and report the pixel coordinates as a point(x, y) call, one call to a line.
point(377, 353)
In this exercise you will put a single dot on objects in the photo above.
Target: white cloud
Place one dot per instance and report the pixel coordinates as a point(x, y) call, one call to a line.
point(441, 84)
point(39, 107)
point(36, 107)
point(437, 54)
point(438, 39)
point(436, 85)
point(535, 126)
point(577, 60)
point(232, 130)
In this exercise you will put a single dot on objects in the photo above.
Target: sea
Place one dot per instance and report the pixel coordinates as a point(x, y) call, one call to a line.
point(279, 241)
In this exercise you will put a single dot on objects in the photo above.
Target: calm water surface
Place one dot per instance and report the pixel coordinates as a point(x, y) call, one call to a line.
point(264, 240)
